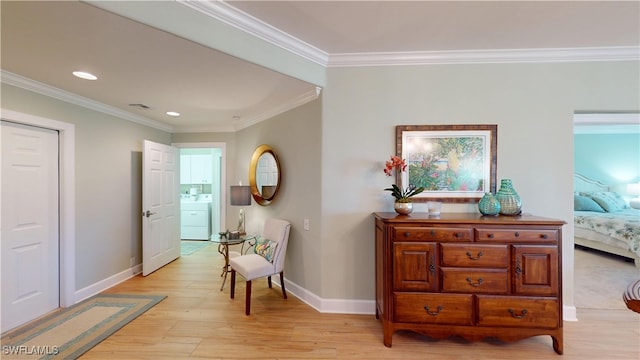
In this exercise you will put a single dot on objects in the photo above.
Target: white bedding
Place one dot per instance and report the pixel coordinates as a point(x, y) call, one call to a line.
point(620, 229)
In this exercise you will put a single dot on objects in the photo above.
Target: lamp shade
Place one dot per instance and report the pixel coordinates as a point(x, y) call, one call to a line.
point(633, 189)
point(240, 195)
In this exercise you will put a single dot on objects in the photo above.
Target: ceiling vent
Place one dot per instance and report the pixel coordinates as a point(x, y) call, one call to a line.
point(141, 106)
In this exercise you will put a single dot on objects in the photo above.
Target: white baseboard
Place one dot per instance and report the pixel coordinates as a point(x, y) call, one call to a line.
point(569, 313)
point(367, 307)
point(335, 306)
point(105, 284)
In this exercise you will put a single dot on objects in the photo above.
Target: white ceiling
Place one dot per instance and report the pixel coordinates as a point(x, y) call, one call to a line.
point(43, 42)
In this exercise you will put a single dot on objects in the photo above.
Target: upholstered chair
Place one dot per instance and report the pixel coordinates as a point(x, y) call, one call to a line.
point(265, 260)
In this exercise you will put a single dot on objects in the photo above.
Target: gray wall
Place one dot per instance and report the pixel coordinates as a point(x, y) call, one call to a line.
point(532, 104)
point(332, 151)
point(296, 140)
point(108, 159)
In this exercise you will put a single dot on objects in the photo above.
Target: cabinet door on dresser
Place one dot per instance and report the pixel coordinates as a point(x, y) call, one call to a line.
point(414, 266)
point(535, 269)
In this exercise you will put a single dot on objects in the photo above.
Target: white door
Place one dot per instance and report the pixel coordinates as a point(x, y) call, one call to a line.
point(29, 237)
point(160, 206)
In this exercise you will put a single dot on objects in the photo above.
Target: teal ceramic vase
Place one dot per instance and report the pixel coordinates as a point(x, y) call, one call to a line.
point(489, 205)
point(510, 203)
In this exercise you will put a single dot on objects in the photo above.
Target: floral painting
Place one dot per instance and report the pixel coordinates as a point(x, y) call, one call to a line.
point(453, 163)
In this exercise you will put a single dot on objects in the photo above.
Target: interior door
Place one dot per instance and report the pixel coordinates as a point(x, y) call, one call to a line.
point(160, 206)
point(29, 236)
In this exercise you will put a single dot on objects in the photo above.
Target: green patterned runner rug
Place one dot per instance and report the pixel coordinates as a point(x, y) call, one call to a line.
point(69, 333)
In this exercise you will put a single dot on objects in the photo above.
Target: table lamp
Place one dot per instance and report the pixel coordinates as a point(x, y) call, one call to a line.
point(241, 196)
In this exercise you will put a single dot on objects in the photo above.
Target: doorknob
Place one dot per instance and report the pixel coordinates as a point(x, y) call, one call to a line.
point(148, 213)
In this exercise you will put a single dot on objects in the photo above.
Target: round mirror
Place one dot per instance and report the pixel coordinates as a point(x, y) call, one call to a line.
point(264, 175)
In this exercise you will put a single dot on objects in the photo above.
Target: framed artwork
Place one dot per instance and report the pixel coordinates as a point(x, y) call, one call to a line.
point(454, 163)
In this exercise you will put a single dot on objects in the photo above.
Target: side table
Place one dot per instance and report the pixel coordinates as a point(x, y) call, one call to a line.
point(223, 248)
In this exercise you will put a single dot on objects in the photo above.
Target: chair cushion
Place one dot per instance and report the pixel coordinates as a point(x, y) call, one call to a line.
point(252, 266)
point(265, 248)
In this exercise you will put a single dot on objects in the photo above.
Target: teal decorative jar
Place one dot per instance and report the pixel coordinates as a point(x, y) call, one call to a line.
point(489, 205)
point(510, 203)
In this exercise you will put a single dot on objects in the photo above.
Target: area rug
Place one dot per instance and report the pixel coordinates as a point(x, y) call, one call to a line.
point(188, 247)
point(70, 332)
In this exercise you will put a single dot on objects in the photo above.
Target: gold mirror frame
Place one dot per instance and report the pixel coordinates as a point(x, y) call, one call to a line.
point(258, 195)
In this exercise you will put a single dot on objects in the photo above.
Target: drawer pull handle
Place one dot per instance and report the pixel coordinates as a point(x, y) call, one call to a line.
point(407, 234)
point(517, 234)
point(490, 236)
point(432, 266)
point(544, 236)
point(433, 233)
point(522, 313)
point(471, 257)
point(457, 235)
point(518, 268)
point(475, 284)
point(433, 313)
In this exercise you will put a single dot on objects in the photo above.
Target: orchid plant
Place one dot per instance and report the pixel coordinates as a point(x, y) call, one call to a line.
point(402, 195)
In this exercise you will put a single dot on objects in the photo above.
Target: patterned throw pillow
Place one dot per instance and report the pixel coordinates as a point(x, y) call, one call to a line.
point(265, 248)
point(584, 203)
point(610, 201)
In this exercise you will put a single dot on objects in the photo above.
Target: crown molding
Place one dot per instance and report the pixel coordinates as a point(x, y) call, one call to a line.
point(245, 123)
point(622, 53)
point(240, 20)
point(232, 16)
point(53, 92)
point(292, 104)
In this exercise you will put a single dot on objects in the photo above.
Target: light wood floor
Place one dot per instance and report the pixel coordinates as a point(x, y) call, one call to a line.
point(197, 320)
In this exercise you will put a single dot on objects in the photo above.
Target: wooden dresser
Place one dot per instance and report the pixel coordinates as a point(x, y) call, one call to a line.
point(469, 275)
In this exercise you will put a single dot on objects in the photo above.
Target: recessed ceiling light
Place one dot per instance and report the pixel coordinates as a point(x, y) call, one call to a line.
point(173, 113)
point(85, 75)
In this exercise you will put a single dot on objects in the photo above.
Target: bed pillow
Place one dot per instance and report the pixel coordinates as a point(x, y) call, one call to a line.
point(609, 200)
point(265, 248)
point(585, 203)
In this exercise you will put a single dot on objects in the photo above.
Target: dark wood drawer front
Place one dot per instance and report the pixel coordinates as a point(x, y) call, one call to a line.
point(433, 234)
point(466, 255)
point(494, 281)
point(518, 311)
point(455, 309)
point(516, 235)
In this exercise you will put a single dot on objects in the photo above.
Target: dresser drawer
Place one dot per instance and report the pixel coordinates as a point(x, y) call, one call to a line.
point(433, 234)
point(454, 309)
point(466, 255)
point(518, 311)
point(516, 235)
point(489, 281)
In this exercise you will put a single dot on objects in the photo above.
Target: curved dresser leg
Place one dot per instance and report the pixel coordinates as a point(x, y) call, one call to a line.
point(557, 345)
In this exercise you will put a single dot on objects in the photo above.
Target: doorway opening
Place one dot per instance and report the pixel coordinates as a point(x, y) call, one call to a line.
point(202, 189)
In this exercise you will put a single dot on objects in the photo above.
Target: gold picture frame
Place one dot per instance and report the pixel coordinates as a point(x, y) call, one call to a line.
point(454, 163)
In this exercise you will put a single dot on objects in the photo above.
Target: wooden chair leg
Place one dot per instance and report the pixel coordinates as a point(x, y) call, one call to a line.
point(233, 283)
point(247, 306)
point(269, 281)
point(284, 292)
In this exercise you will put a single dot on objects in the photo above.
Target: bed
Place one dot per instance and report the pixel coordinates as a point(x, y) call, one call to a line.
point(604, 221)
